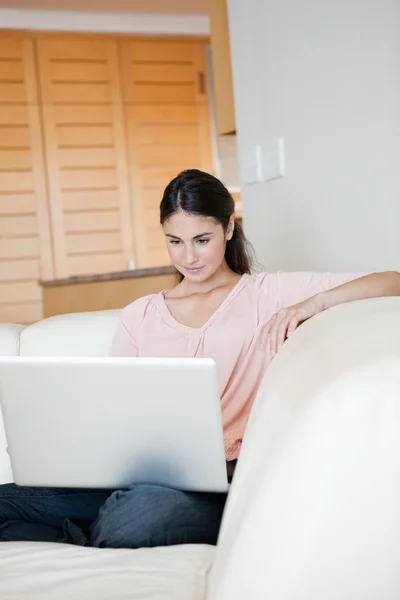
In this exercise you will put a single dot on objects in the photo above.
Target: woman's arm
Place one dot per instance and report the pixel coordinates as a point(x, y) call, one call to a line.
point(375, 285)
point(285, 321)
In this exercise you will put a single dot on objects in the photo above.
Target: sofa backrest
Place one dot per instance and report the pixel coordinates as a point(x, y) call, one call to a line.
point(9, 339)
point(313, 509)
point(80, 334)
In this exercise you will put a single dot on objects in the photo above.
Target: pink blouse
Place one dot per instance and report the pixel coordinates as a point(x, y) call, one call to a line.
point(231, 336)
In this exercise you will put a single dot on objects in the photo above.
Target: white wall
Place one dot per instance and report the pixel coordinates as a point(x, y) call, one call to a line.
point(106, 22)
point(326, 76)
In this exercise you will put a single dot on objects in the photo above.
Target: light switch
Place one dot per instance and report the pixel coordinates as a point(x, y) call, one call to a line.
point(273, 159)
point(251, 165)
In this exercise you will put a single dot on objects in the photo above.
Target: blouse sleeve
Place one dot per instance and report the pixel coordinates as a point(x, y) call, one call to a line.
point(296, 287)
point(287, 289)
point(123, 344)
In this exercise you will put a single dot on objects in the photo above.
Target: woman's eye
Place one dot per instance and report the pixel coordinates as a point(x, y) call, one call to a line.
point(174, 242)
point(202, 242)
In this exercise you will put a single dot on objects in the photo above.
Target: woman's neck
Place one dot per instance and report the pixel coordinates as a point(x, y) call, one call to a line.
point(224, 276)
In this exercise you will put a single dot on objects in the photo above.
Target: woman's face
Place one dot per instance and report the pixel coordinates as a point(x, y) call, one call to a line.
point(196, 245)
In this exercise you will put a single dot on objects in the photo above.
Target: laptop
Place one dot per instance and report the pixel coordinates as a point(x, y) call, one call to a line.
point(113, 422)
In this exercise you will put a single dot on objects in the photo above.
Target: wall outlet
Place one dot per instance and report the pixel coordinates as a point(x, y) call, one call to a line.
point(273, 162)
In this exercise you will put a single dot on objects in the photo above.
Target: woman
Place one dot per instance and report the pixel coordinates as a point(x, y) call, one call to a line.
point(217, 310)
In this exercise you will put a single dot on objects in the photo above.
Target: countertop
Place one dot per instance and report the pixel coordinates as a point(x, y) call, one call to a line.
point(151, 272)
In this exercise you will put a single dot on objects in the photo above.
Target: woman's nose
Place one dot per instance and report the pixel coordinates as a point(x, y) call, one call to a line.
point(191, 255)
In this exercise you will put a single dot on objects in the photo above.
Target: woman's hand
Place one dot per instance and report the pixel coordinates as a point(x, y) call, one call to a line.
point(284, 322)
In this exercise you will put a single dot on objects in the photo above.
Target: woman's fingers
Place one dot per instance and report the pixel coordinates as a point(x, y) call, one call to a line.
point(281, 333)
point(279, 320)
point(282, 328)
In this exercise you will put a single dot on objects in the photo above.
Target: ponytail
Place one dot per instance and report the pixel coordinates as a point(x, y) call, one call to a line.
point(238, 253)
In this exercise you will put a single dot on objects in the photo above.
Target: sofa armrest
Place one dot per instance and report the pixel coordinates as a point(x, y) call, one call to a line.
point(313, 509)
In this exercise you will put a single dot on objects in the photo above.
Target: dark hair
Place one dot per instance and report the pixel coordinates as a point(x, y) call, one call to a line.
point(199, 193)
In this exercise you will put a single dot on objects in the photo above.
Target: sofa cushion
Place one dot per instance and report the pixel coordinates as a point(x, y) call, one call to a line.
point(9, 339)
point(43, 571)
point(9, 346)
point(78, 334)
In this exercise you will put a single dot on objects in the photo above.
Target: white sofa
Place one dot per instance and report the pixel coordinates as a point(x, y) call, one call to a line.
point(314, 510)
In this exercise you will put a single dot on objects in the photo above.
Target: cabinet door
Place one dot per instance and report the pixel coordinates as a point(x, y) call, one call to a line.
point(86, 154)
point(25, 249)
point(222, 67)
point(168, 128)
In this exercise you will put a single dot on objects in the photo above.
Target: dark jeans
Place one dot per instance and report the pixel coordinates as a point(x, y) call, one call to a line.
point(141, 516)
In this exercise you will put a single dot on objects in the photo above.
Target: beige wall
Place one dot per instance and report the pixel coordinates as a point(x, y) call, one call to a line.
point(325, 75)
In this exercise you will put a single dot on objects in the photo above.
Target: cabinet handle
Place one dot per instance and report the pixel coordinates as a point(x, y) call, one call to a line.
point(201, 78)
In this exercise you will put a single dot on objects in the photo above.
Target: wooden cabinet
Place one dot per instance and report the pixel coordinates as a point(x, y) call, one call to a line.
point(92, 129)
point(222, 67)
point(25, 249)
point(86, 155)
point(168, 128)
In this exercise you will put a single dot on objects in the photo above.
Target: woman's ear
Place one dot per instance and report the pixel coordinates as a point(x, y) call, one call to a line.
point(230, 229)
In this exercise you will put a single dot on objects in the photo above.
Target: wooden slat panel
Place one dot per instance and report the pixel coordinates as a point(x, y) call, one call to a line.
point(13, 137)
point(155, 238)
point(153, 218)
point(96, 222)
point(159, 178)
point(19, 270)
point(70, 48)
point(163, 51)
point(88, 178)
point(84, 201)
point(15, 159)
point(87, 243)
point(180, 93)
point(86, 157)
point(203, 115)
point(22, 188)
point(163, 73)
point(99, 263)
point(19, 247)
point(87, 143)
point(10, 46)
point(18, 204)
point(152, 199)
point(38, 161)
point(84, 135)
point(121, 149)
point(12, 92)
point(15, 182)
point(13, 115)
point(170, 155)
point(157, 258)
point(164, 115)
point(81, 114)
point(18, 225)
point(11, 70)
point(84, 93)
point(25, 291)
point(29, 312)
point(167, 134)
point(78, 71)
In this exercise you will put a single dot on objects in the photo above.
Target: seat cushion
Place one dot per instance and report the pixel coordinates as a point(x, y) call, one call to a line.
point(41, 571)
